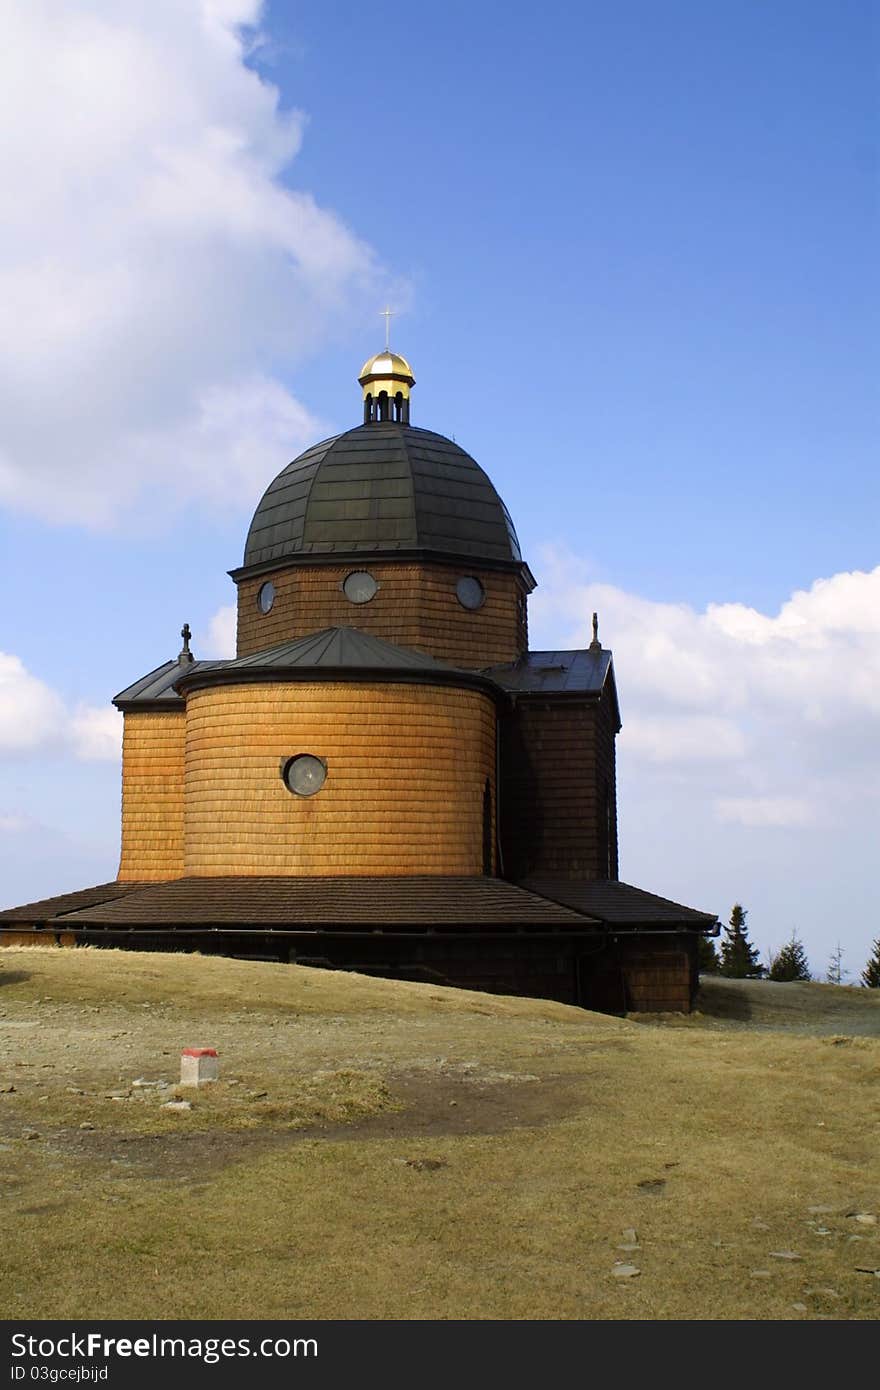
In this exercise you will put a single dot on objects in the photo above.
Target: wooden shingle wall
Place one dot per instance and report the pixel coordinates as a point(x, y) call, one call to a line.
point(606, 788)
point(152, 796)
point(557, 761)
point(660, 973)
point(416, 606)
point(406, 772)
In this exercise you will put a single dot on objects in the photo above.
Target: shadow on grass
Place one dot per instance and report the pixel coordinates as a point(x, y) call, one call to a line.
point(13, 977)
point(720, 1000)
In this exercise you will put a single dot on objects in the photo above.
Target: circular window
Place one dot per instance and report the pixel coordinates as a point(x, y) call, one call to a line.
point(360, 587)
point(470, 592)
point(305, 774)
point(266, 596)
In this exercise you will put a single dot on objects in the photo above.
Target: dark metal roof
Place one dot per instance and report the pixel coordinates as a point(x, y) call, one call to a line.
point(617, 904)
point(579, 672)
point(156, 690)
point(339, 647)
point(585, 672)
point(346, 650)
point(382, 488)
point(427, 901)
point(335, 653)
point(48, 908)
point(332, 653)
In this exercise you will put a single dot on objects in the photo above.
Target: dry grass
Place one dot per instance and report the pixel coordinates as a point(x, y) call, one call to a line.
point(427, 1153)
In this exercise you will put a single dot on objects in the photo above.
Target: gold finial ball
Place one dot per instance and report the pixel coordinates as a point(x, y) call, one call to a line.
point(387, 371)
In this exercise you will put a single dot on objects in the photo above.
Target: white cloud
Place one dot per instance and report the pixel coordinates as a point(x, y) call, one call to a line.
point(16, 824)
point(157, 270)
point(220, 639)
point(788, 702)
point(686, 738)
point(764, 810)
point(31, 715)
point(34, 718)
point(96, 734)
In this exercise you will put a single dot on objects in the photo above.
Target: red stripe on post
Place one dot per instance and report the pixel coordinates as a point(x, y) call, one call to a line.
point(199, 1052)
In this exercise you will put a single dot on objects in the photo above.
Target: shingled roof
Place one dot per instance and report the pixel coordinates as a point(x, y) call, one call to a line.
point(617, 904)
point(430, 902)
point(47, 908)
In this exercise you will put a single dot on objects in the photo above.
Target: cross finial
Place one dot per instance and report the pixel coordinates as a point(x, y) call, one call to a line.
point(595, 644)
point(186, 634)
point(388, 314)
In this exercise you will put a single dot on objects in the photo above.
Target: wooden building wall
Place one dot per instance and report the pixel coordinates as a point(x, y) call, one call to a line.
point(660, 972)
point(416, 606)
point(152, 796)
point(407, 767)
point(558, 812)
point(606, 787)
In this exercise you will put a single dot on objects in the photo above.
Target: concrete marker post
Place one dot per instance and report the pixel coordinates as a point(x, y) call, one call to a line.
point(198, 1065)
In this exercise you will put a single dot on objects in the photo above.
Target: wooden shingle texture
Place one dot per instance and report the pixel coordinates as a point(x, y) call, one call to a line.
point(415, 606)
point(407, 767)
point(153, 745)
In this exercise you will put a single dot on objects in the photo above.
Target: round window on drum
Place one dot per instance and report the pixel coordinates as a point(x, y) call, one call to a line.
point(470, 592)
point(304, 774)
point(359, 587)
point(266, 596)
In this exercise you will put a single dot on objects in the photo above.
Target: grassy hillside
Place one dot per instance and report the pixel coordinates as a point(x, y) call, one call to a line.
point(388, 1150)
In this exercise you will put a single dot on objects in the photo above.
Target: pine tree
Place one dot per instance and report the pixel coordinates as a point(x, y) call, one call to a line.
point(836, 973)
point(790, 962)
point(739, 958)
point(871, 972)
point(707, 959)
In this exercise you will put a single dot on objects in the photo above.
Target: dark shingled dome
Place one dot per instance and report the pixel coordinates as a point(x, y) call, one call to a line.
point(382, 488)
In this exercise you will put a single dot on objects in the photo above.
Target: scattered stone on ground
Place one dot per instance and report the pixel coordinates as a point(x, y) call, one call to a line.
point(653, 1185)
point(799, 1307)
point(426, 1165)
point(623, 1271)
point(177, 1105)
point(630, 1240)
point(864, 1218)
point(785, 1255)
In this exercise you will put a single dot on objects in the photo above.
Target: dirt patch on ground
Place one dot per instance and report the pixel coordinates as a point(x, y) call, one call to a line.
point(426, 1104)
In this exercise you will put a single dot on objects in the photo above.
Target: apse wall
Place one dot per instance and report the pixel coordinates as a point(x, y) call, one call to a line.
point(409, 779)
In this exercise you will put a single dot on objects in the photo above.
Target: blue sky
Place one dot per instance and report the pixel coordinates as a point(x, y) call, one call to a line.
point(634, 250)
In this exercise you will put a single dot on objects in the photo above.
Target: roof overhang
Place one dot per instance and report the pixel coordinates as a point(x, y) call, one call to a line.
point(320, 675)
point(303, 558)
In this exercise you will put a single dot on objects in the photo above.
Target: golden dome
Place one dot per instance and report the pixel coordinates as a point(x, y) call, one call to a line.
point(387, 364)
